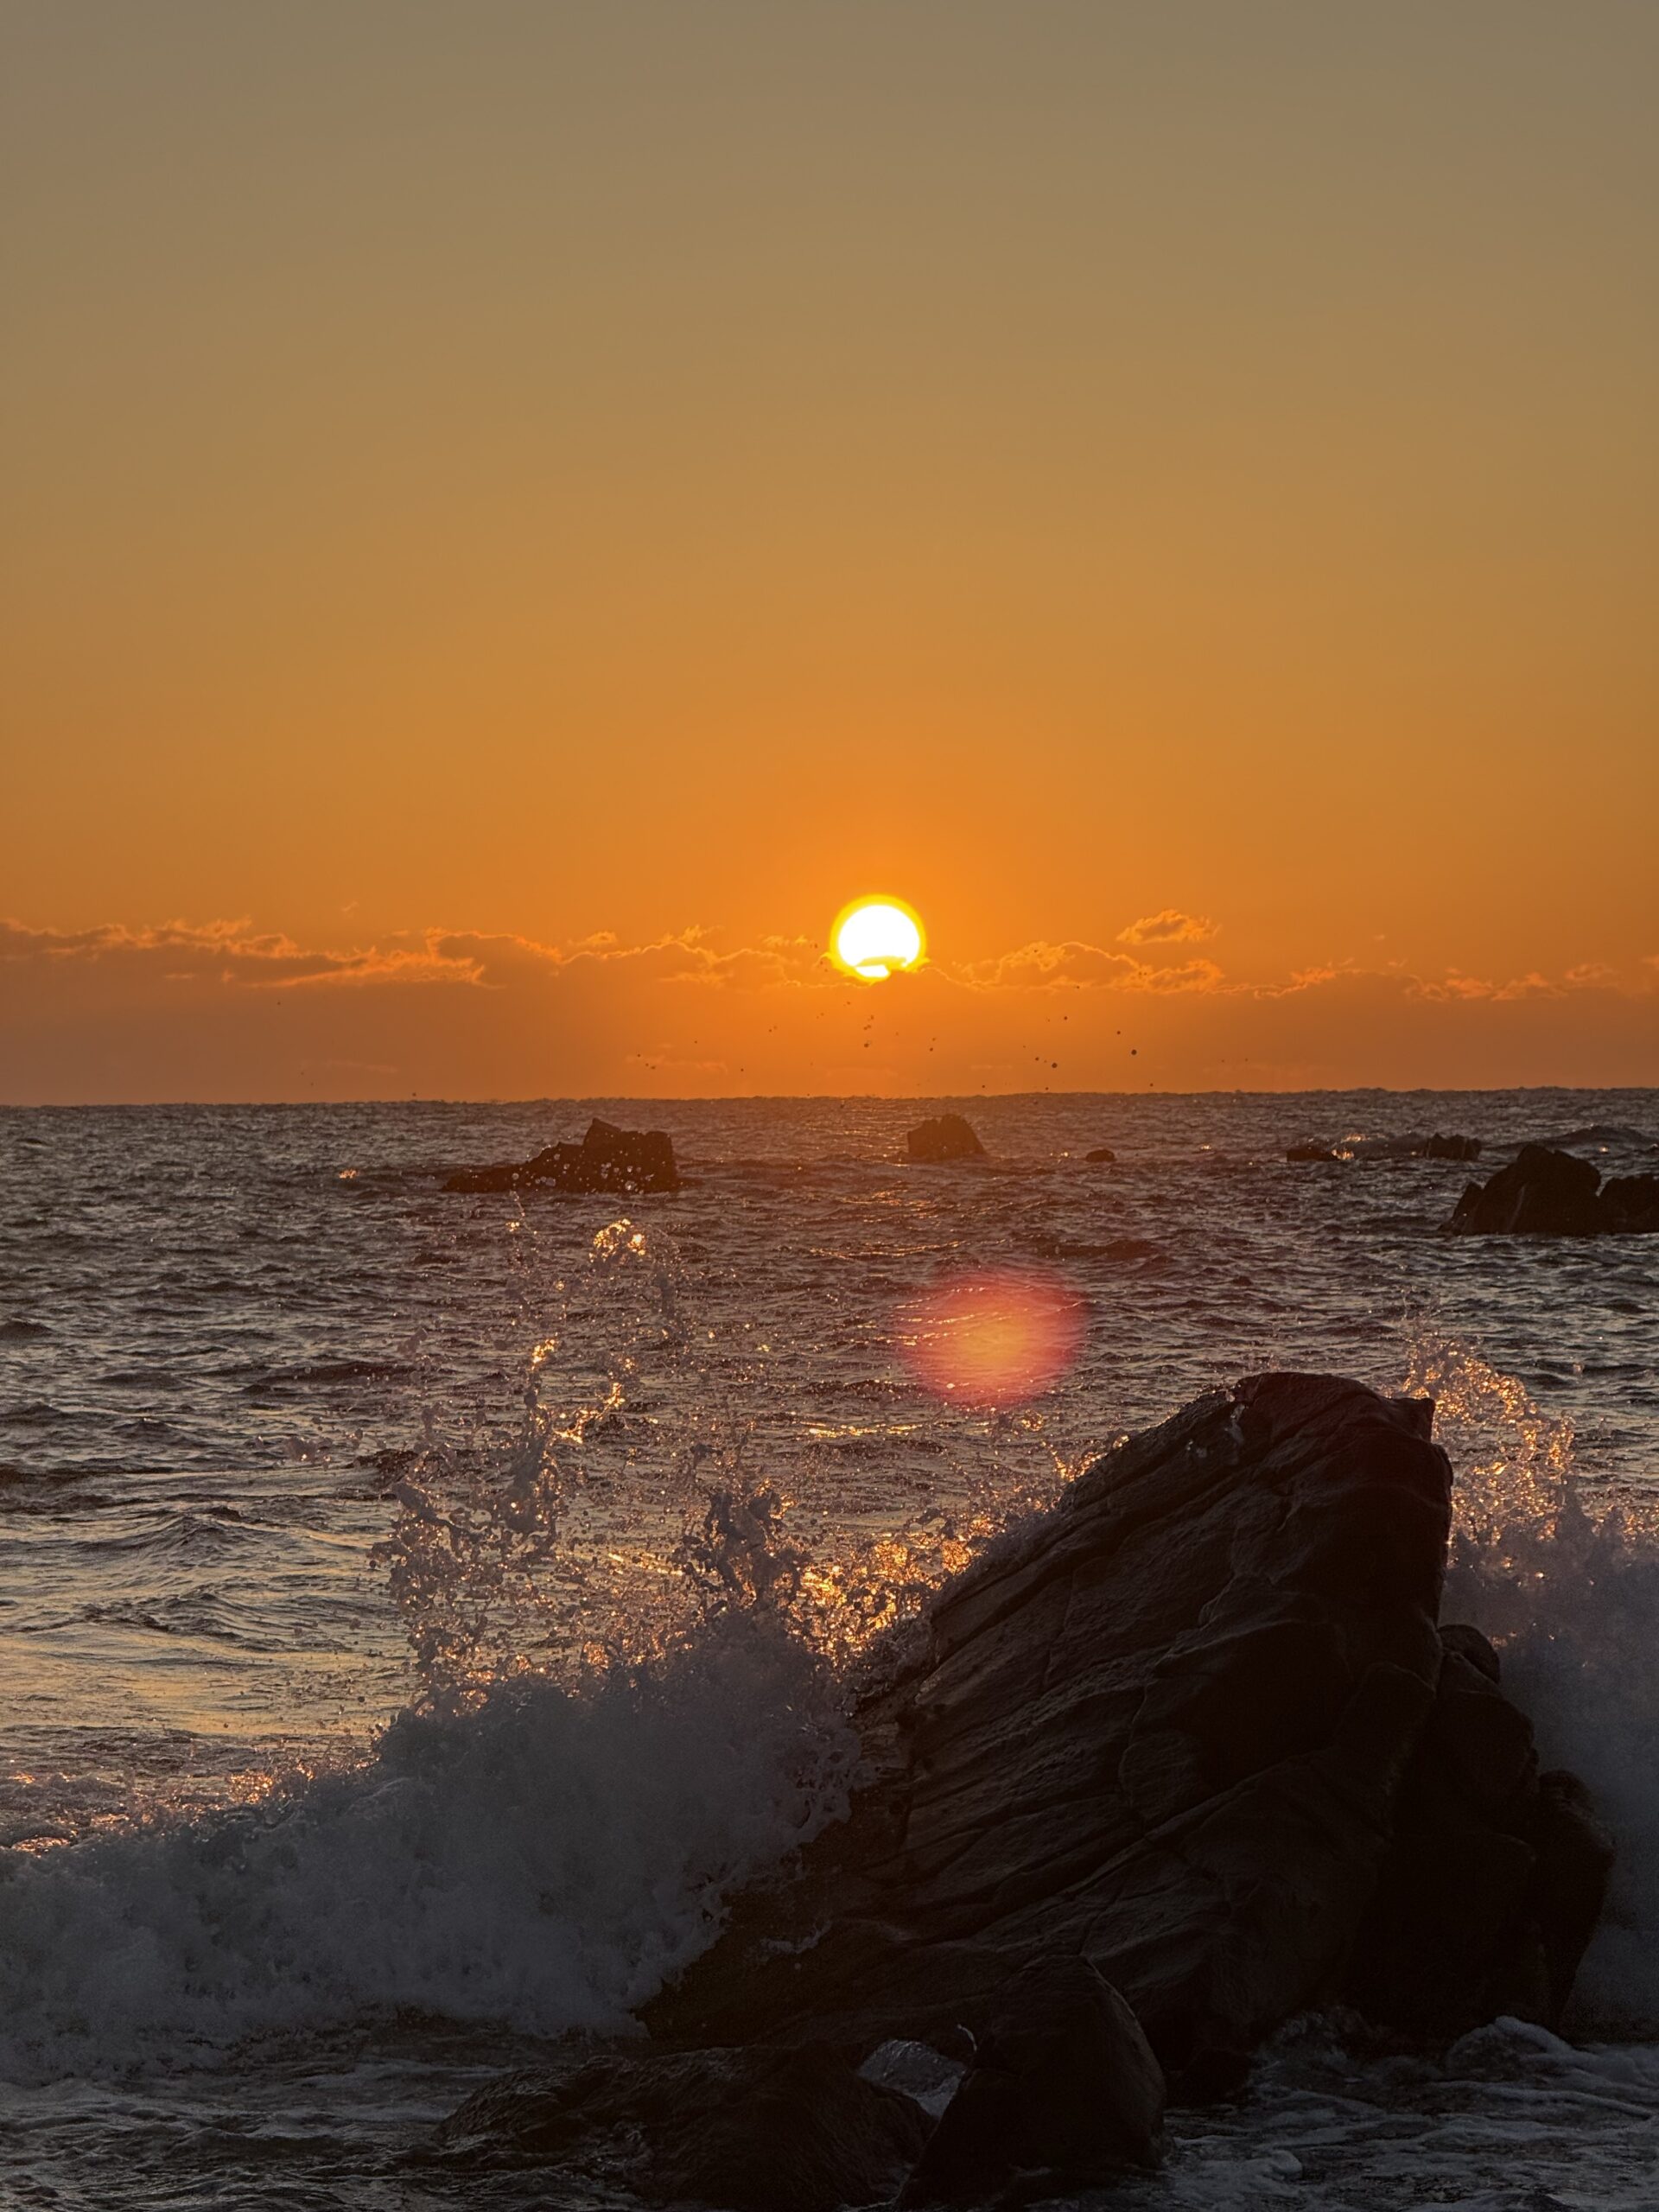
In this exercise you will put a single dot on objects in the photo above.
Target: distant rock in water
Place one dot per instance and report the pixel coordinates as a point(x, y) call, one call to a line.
point(1441, 1145)
point(1545, 1192)
point(949, 1137)
point(1195, 1726)
point(1102, 1156)
point(627, 1161)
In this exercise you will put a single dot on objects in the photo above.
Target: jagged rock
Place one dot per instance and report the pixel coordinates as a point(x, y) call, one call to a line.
point(1167, 1728)
point(1543, 1192)
point(1496, 1875)
point(750, 2131)
point(1064, 2091)
point(625, 1161)
point(1102, 1156)
point(1441, 1146)
point(947, 1137)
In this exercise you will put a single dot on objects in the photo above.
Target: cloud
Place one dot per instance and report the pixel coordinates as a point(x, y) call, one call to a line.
point(221, 1010)
point(1168, 927)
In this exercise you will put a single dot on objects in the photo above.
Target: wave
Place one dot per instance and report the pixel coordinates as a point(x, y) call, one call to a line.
point(546, 1860)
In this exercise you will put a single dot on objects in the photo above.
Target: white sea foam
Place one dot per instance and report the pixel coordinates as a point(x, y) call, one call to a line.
point(546, 1860)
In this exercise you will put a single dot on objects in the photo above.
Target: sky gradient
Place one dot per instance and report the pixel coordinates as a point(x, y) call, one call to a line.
point(516, 514)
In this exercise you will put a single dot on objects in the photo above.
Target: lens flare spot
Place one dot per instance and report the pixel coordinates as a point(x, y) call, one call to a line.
point(993, 1339)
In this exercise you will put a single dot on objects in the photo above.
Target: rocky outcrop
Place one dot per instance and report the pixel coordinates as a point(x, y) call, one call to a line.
point(1544, 1192)
point(1169, 1729)
point(947, 1137)
point(625, 1162)
point(1178, 1759)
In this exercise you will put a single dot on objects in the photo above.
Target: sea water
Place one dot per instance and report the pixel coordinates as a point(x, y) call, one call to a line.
point(420, 1613)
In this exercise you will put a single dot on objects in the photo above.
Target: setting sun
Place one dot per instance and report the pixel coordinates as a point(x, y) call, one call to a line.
point(877, 938)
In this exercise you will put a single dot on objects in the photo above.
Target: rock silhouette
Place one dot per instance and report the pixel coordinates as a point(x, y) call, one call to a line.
point(947, 1137)
point(1100, 1156)
point(1169, 1729)
point(1545, 1192)
point(607, 1159)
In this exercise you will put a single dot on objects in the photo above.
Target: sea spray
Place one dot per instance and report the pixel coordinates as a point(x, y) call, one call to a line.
point(543, 1859)
point(1564, 1580)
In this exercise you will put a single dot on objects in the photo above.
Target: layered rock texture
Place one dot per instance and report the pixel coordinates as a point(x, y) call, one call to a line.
point(625, 1161)
point(1544, 1192)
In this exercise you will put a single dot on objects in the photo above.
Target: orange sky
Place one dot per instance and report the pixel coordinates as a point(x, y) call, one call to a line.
point(517, 511)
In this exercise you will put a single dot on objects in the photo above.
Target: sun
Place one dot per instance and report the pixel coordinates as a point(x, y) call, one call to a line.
point(877, 938)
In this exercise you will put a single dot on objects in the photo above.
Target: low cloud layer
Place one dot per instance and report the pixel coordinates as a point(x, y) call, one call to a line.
point(218, 1010)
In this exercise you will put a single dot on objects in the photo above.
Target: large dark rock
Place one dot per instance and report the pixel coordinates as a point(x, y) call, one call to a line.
point(947, 1137)
point(1064, 2091)
point(1495, 1878)
point(1543, 1192)
point(624, 1162)
point(760, 2130)
point(1178, 1728)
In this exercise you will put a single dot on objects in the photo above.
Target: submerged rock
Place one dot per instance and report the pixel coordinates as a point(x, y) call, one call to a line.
point(1168, 1729)
point(947, 1137)
point(1544, 1192)
point(752, 2131)
point(607, 1159)
point(1102, 1156)
point(1442, 1145)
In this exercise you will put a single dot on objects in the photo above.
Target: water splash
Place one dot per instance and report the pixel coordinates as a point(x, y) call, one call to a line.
point(1565, 1579)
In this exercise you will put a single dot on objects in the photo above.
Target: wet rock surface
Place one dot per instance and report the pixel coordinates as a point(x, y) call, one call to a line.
point(607, 1159)
point(1546, 1192)
point(946, 1137)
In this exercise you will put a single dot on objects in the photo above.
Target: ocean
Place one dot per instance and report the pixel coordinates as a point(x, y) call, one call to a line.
point(370, 1555)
